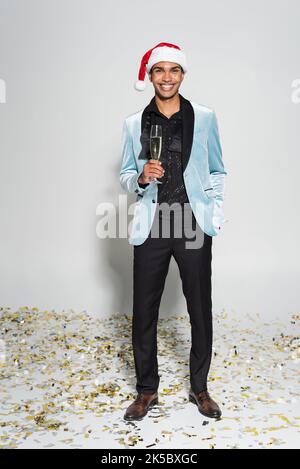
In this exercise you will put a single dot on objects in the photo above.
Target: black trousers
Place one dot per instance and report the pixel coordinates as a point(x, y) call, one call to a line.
point(151, 264)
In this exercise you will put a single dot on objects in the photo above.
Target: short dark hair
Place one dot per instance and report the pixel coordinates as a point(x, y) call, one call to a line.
point(153, 66)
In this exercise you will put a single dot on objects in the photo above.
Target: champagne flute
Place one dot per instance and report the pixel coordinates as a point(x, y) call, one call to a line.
point(156, 144)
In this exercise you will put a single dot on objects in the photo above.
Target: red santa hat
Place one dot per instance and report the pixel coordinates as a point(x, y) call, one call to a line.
point(164, 51)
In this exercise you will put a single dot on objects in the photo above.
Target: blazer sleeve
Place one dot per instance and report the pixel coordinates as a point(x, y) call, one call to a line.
point(217, 171)
point(215, 160)
point(129, 173)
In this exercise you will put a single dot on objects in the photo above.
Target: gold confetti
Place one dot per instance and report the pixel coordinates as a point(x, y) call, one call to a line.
point(68, 377)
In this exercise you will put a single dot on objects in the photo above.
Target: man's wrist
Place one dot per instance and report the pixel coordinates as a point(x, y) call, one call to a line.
point(142, 184)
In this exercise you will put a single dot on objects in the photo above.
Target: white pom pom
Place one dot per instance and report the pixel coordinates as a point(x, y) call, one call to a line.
point(140, 85)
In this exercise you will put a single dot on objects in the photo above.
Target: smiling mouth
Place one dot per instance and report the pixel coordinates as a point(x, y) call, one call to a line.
point(166, 87)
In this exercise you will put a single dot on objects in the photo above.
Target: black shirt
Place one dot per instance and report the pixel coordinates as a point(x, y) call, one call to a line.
point(172, 188)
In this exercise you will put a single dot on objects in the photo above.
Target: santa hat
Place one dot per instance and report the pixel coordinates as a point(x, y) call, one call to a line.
point(164, 51)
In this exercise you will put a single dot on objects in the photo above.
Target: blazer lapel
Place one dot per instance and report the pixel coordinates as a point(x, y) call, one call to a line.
point(188, 122)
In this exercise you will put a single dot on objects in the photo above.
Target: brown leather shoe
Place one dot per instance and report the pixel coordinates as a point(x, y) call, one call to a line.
point(205, 404)
point(140, 406)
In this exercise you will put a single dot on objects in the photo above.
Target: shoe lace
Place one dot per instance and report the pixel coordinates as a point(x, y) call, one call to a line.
point(203, 395)
point(139, 399)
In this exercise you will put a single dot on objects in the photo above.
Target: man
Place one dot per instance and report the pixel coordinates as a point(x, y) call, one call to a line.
point(191, 173)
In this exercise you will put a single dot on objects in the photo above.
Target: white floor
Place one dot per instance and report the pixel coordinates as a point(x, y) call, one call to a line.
point(68, 378)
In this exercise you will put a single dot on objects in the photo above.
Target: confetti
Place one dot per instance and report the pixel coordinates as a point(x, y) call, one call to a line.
point(68, 377)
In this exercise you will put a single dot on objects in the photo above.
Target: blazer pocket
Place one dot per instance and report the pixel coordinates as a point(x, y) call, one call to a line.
point(210, 193)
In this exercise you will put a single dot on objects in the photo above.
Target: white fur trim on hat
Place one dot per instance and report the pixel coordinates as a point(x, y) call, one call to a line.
point(167, 54)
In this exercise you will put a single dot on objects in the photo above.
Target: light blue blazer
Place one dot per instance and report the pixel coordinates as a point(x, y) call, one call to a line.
point(203, 170)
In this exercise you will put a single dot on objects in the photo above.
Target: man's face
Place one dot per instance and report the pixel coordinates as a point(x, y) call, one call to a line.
point(166, 78)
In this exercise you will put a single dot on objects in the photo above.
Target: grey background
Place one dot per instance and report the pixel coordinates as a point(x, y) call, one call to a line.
point(69, 68)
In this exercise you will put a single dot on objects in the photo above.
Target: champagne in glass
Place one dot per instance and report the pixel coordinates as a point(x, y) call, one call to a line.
point(156, 144)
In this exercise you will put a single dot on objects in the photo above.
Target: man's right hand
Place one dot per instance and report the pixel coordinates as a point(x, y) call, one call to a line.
point(152, 169)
